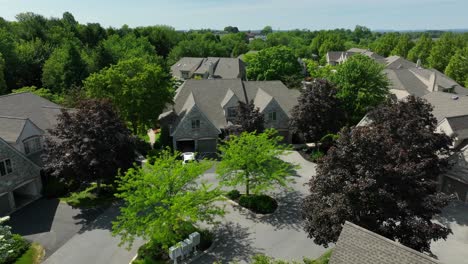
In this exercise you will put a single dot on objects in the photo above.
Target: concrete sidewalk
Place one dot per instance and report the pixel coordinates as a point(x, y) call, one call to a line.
point(95, 244)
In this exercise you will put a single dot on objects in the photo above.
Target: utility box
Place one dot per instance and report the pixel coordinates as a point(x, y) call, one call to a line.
point(184, 247)
point(189, 245)
point(175, 252)
point(195, 238)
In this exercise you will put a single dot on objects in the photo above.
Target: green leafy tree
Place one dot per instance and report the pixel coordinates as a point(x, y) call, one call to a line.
point(383, 177)
point(231, 29)
point(199, 45)
point(267, 30)
point(163, 38)
point(362, 85)
point(64, 69)
point(421, 50)
point(316, 71)
point(457, 68)
point(42, 92)
point(129, 47)
point(275, 63)
point(138, 89)
point(441, 52)
point(257, 44)
point(32, 56)
point(3, 86)
point(403, 46)
point(385, 44)
point(253, 160)
point(162, 201)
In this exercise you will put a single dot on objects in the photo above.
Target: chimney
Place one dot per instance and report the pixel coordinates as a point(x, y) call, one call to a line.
point(418, 63)
point(211, 67)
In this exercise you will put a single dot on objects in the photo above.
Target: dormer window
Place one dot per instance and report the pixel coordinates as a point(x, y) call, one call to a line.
point(232, 112)
point(196, 124)
point(32, 145)
point(5, 167)
point(185, 74)
point(272, 116)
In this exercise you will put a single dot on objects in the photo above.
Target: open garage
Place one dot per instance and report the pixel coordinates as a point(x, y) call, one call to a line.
point(185, 145)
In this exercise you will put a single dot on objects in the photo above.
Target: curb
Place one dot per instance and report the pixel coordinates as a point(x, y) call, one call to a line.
point(248, 211)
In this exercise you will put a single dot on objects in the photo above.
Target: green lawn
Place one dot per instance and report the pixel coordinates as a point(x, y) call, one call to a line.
point(322, 259)
point(33, 255)
point(89, 197)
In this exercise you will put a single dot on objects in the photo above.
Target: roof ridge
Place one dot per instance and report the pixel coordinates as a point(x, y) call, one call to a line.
point(352, 225)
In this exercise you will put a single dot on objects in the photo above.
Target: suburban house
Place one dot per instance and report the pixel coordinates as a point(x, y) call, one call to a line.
point(203, 108)
point(24, 121)
point(357, 245)
point(338, 57)
point(208, 68)
point(406, 77)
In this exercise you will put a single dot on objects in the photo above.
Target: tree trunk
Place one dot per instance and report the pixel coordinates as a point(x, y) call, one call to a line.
point(247, 185)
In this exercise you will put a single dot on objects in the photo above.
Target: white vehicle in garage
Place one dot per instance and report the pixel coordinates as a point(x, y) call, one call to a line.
point(188, 157)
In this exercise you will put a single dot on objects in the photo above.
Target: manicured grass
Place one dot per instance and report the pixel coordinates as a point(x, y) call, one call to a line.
point(90, 198)
point(33, 255)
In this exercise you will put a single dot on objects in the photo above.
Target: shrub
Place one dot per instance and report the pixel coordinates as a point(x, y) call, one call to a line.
point(316, 155)
point(262, 204)
point(55, 188)
point(233, 195)
point(19, 246)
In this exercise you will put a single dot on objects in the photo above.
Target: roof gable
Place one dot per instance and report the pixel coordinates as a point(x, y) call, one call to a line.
point(357, 245)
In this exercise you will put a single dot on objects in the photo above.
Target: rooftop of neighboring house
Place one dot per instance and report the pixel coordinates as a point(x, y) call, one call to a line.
point(40, 111)
point(447, 105)
point(11, 128)
point(223, 68)
point(211, 95)
point(341, 56)
point(357, 245)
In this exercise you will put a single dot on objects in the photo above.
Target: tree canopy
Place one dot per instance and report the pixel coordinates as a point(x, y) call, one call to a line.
point(275, 63)
point(253, 160)
point(89, 144)
point(138, 89)
point(458, 67)
point(163, 200)
point(318, 112)
point(362, 86)
point(382, 177)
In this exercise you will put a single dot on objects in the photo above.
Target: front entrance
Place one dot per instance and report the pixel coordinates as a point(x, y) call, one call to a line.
point(25, 194)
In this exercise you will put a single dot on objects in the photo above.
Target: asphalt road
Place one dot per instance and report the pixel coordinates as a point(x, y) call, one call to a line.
point(95, 244)
point(242, 235)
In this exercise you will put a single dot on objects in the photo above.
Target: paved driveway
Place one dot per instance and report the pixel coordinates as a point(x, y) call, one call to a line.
point(95, 244)
point(455, 248)
point(242, 235)
point(50, 223)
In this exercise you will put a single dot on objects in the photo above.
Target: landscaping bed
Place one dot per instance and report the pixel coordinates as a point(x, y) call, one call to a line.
point(89, 197)
point(311, 154)
point(259, 204)
point(154, 254)
point(33, 255)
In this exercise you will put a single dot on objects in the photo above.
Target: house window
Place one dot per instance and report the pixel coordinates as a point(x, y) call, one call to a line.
point(195, 124)
point(5, 167)
point(272, 116)
point(184, 74)
point(32, 145)
point(232, 112)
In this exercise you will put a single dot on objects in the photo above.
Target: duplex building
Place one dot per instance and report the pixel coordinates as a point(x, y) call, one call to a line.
point(24, 121)
point(211, 67)
point(202, 110)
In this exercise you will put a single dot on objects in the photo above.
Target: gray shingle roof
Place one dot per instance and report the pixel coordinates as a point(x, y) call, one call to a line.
point(445, 105)
point(208, 96)
point(42, 112)
point(357, 245)
point(225, 68)
point(11, 128)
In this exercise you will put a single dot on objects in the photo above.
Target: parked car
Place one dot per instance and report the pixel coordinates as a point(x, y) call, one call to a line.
point(188, 157)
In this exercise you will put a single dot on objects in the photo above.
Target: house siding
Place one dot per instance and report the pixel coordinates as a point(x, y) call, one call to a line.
point(23, 171)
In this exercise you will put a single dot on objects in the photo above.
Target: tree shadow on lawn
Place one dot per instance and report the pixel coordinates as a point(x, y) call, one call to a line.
point(233, 243)
point(286, 216)
point(455, 212)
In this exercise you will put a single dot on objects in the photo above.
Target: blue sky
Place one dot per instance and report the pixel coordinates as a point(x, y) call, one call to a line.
point(254, 14)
